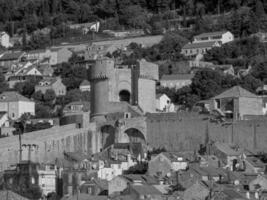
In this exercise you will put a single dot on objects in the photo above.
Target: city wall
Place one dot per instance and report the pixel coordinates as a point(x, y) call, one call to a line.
point(188, 132)
point(46, 145)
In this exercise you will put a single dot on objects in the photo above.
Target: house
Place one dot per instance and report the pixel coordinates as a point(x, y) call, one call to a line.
point(86, 27)
point(176, 81)
point(261, 35)
point(45, 69)
point(55, 55)
point(207, 173)
point(252, 164)
point(59, 55)
point(85, 86)
point(16, 105)
point(166, 162)
point(51, 83)
point(4, 119)
point(121, 151)
point(76, 107)
point(23, 73)
point(13, 57)
point(230, 193)
point(164, 103)
point(221, 36)
point(94, 187)
point(260, 182)
point(95, 51)
point(206, 41)
point(199, 190)
point(83, 196)
point(227, 154)
point(120, 183)
point(193, 49)
point(144, 192)
point(237, 102)
point(77, 160)
point(32, 174)
point(110, 168)
point(5, 40)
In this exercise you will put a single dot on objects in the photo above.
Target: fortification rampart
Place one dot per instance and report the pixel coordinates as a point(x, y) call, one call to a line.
point(45, 145)
point(188, 132)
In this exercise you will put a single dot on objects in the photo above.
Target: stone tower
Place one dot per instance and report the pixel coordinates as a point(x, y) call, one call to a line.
point(112, 85)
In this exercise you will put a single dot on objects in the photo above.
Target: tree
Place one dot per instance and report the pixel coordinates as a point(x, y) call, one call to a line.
point(49, 95)
point(207, 83)
point(42, 111)
point(38, 96)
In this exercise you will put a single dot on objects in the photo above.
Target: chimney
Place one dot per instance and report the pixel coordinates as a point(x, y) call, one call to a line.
point(256, 195)
point(247, 195)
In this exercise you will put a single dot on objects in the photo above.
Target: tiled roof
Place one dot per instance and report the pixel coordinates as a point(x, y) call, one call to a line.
point(85, 83)
point(11, 56)
point(177, 76)
point(77, 156)
point(85, 105)
point(49, 81)
point(211, 34)
point(235, 92)
point(37, 51)
point(228, 150)
point(146, 190)
point(199, 45)
point(12, 96)
point(9, 195)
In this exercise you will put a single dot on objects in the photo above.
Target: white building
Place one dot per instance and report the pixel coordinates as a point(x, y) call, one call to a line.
point(164, 103)
point(221, 36)
point(206, 41)
point(85, 86)
point(176, 81)
point(16, 105)
point(114, 168)
point(47, 179)
point(5, 40)
point(198, 48)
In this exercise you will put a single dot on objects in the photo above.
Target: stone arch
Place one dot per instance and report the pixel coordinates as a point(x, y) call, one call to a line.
point(125, 95)
point(135, 135)
point(108, 134)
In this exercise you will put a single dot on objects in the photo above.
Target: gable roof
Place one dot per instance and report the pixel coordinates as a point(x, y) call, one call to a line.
point(200, 45)
point(9, 195)
point(146, 190)
point(85, 83)
point(12, 96)
point(11, 55)
point(177, 77)
point(235, 92)
point(48, 80)
point(228, 150)
point(210, 34)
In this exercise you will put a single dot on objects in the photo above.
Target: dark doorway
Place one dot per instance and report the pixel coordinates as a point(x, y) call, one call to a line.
point(125, 96)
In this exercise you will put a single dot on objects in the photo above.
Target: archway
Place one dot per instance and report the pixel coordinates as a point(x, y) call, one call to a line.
point(108, 135)
point(135, 136)
point(125, 95)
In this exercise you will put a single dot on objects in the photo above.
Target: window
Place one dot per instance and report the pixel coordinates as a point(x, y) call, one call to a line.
point(43, 185)
point(13, 115)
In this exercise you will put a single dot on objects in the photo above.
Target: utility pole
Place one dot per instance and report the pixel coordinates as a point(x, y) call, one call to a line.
point(20, 147)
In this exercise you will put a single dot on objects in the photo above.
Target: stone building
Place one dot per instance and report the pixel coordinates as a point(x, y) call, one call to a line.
point(113, 84)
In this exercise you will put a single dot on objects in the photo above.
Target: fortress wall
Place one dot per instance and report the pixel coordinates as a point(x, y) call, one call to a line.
point(50, 144)
point(187, 133)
